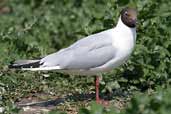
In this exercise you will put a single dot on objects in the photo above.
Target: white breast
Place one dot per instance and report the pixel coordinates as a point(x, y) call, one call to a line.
point(123, 40)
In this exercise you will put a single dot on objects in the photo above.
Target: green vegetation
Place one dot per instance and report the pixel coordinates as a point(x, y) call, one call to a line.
point(35, 28)
point(158, 103)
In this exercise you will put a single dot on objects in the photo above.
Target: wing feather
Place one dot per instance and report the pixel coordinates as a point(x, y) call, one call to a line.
point(89, 52)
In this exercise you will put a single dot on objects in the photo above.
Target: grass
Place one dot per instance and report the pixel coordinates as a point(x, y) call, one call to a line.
point(32, 29)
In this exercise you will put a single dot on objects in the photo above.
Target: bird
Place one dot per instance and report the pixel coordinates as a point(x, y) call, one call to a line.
point(93, 55)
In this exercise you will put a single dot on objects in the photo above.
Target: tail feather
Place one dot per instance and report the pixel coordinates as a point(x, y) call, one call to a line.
point(25, 64)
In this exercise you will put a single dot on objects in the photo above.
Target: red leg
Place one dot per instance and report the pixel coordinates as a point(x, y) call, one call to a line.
point(97, 90)
point(98, 100)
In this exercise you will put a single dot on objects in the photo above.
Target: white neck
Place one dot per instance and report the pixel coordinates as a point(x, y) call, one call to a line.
point(120, 27)
point(120, 24)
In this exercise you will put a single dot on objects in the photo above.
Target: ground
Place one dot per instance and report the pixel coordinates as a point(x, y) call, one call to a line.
point(31, 29)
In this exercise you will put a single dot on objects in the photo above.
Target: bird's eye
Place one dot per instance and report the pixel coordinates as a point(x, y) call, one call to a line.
point(126, 13)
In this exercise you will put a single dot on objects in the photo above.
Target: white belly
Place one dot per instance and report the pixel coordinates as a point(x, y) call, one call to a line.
point(124, 42)
point(104, 68)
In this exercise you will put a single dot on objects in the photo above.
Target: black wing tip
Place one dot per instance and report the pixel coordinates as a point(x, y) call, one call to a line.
point(14, 65)
point(11, 66)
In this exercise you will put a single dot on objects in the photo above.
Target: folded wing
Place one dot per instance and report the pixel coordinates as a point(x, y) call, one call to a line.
point(90, 52)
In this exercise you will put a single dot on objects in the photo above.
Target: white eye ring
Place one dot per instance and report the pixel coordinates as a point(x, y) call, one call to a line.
point(126, 13)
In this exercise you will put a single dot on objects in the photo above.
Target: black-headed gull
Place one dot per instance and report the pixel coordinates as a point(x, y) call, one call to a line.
point(93, 54)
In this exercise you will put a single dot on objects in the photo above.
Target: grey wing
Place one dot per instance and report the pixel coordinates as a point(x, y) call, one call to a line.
point(90, 52)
